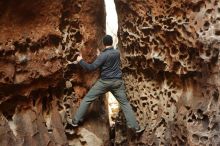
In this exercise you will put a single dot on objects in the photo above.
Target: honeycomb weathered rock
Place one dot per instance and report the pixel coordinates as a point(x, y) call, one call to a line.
point(39, 90)
point(170, 57)
point(171, 65)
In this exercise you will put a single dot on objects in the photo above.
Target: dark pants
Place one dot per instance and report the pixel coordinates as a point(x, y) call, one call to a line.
point(117, 88)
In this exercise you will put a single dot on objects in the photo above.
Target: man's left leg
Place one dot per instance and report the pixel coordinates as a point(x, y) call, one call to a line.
point(98, 89)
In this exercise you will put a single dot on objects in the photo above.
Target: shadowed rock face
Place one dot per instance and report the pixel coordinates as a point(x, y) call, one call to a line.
point(39, 91)
point(171, 68)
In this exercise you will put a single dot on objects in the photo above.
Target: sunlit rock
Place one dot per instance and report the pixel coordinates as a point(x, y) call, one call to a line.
point(170, 54)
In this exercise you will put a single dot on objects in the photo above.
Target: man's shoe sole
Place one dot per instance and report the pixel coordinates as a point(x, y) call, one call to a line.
point(74, 125)
point(140, 130)
point(70, 121)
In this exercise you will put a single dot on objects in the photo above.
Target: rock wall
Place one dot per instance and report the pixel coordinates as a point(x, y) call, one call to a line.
point(171, 65)
point(39, 89)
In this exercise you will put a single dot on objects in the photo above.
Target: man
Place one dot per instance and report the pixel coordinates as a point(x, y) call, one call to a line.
point(111, 80)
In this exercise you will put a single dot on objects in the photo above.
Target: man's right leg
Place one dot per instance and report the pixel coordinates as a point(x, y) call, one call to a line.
point(118, 90)
point(98, 89)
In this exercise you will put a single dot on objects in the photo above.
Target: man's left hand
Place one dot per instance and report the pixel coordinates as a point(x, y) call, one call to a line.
point(98, 52)
point(79, 58)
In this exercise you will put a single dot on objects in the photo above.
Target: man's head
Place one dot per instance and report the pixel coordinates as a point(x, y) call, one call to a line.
point(107, 40)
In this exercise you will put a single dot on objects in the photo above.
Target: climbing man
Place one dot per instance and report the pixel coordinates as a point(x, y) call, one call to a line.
point(111, 80)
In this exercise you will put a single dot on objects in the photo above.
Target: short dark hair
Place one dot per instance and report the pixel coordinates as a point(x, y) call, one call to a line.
point(107, 40)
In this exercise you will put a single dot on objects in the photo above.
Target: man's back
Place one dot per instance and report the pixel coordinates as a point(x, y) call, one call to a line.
point(110, 69)
point(108, 62)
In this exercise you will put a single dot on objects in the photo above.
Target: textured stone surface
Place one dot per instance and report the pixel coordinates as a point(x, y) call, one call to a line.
point(171, 65)
point(170, 57)
point(39, 90)
point(82, 27)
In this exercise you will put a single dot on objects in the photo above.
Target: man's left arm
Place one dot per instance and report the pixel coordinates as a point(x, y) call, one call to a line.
point(90, 67)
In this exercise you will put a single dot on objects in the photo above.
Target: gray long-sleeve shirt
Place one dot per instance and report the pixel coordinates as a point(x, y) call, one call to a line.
point(108, 62)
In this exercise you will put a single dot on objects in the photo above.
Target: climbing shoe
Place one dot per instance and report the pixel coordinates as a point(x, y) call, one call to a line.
point(72, 123)
point(140, 130)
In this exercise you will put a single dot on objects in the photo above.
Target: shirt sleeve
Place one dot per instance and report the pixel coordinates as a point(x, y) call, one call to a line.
point(97, 63)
